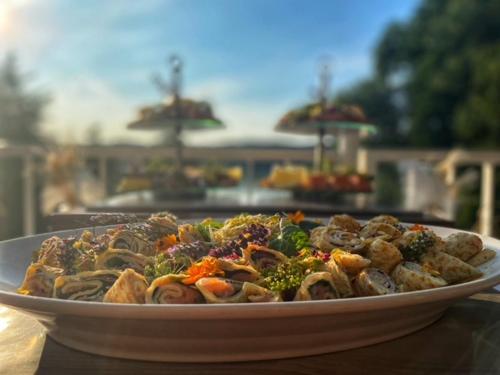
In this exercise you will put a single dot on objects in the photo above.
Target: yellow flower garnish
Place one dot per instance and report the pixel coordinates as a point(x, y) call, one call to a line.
point(166, 242)
point(296, 217)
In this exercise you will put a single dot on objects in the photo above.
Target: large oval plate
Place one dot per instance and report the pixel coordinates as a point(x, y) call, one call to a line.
point(232, 332)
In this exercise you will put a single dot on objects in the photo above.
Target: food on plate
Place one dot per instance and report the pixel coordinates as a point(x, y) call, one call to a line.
point(483, 256)
point(412, 276)
point(39, 280)
point(121, 259)
point(383, 255)
point(251, 259)
point(463, 245)
point(373, 282)
point(130, 287)
point(85, 286)
point(317, 286)
point(170, 289)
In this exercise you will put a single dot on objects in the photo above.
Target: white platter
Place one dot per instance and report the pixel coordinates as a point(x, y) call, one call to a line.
point(232, 332)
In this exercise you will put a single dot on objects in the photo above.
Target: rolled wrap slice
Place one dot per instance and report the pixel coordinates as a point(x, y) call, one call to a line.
point(463, 245)
point(85, 286)
point(255, 293)
point(39, 280)
point(340, 279)
point(345, 222)
point(328, 238)
point(386, 219)
point(262, 258)
point(130, 287)
point(130, 240)
point(482, 257)
point(410, 276)
point(373, 282)
point(121, 259)
point(385, 231)
point(189, 234)
point(350, 263)
point(169, 289)
point(450, 268)
point(238, 272)
point(220, 290)
point(317, 286)
point(384, 255)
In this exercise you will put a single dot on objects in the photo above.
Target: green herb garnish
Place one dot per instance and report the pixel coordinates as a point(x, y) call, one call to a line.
point(418, 246)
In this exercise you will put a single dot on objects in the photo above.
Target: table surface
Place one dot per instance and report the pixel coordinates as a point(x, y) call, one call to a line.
point(466, 340)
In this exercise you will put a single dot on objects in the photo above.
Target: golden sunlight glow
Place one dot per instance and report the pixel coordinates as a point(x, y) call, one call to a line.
point(4, 16)
point(7, 10)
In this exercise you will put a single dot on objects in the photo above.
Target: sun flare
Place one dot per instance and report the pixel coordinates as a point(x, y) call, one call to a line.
point(4, 13)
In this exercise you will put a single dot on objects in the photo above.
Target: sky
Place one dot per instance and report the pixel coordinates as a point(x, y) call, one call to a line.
point(253, 60)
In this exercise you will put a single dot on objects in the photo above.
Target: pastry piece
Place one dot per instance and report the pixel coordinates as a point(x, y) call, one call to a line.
point(340, 279)
point(384, 231)
point(261, 258)
point(383, 255)
point(39, 280)
point(351, 263)
point(220, 290)
point(463, 245)
point(85, 286)
point(345, 223)
point(121, 259)
point(410, 276)
point(329, 238)
point(238, 272)
point(450, 268)
point(130, 287)
point(317, 286)
point(373, 282)
point(255, 293)
point(169, 289)
point(482, 257)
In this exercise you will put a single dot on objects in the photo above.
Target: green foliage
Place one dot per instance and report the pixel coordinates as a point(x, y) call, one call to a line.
point(206, 227)
point(418, 246)
point(378, 102)
point(20, 110)
point(446, 59)
point(288, 276)
point(388, 193)
point(290, 240)
point(166, 265)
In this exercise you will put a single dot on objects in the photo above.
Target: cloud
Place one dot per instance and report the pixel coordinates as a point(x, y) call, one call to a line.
point(84, 101)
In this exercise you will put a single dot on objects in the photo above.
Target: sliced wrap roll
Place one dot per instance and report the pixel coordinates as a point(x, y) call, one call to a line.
point(373, 282)
point(340, 279)
point(39, 280)
point(384, 255)
point(317, 286)
point(261, 258)
point(85, 286)
point(452, 269)
point(121, 259)
point(169, 289)
point(463, 245)
point(410, 276)
point(238, 272)
point(130, 287)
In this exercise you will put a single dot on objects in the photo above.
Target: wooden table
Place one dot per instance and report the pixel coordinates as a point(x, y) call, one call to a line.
point(465, 341)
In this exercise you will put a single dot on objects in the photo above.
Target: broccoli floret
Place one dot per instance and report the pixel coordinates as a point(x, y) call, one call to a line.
point(418, 246)
point(290, 240)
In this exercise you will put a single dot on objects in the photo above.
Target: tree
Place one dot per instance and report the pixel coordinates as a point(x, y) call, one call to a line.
point(20, 113)
point(379, 103)
point(20, 110)
point(447, 60)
